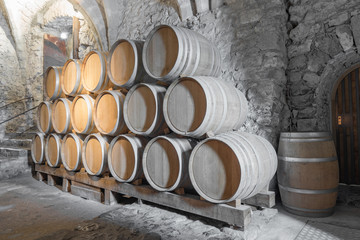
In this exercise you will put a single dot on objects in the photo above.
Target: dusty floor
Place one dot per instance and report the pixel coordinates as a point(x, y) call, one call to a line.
point(33, 210)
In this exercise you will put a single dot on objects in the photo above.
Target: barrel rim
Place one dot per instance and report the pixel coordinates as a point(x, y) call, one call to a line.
point(305, 134)
point(136, 61)
point(89, 125)
point(68, 124)
point(57, 91)
point(150, 130)
point(144, 161)
point(172, 72)
point(49, 107)
point(58, 145)
point(103, 155)
point(78, 84)
point(136, 165)
point(119, 125)
point(41, 136)
point(78, 147)
point(103, 81)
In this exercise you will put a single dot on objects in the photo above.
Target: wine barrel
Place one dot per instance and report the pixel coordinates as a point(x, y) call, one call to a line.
point(125, 157)
point(125, 67)
point(38, 148)
point(82, 114)
point(71, 83)
point(165, 162)
point(94, 154)
point(53, 150)
point(194, 106)
point(71, 152)
point(43, 119)
point(170, 52)
point(60, 116)
point(308, 173)
point(233, 165)
point(143, 112)
point(93, 72)
point(52, 83)
point(108, 113)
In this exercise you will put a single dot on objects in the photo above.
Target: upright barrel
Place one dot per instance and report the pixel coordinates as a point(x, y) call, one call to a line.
point(94, 73)
point(125, 157)
point(71, 152)
point(52, 83)
point(165, 162)
point(194, 106)
point(60, 116)
point(143, 111)
point(71, 82)
point(82, 110)
point(170, 52)
point(94, 154)
point(233, 165)
point(38, 148)
point(125, 67)
point(308, 173)
point(109, 114)
point(43, 120)
point(53, 150)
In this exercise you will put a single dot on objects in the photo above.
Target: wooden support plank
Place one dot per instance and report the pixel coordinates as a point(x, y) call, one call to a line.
point(51, 180)
point(109, 198)
point(66, 185)
point(239, 217)
point(264, 199)
point(76, 41)
point(40, 176)
point(87, 192)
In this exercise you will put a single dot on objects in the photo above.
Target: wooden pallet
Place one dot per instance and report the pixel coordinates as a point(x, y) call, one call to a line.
point(103, 190)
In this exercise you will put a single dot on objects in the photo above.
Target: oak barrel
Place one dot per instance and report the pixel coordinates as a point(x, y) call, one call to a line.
point(43, 120)
point(71, 82)
point(94, 154)
point(143, 111)
point(165, 162)
point(71, 152)
point(125, 157)
point(93, 72)
point(82, 110)
point(52, 83)
point(170, 52)
point(60, 116)
point(125, 67)
point(194, 106)
point(53, 150)
point(38, 148)
point(308, 173)
point(233, 165)
point(109, 114)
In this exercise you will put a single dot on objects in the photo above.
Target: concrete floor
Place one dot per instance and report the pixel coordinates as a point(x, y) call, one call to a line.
point(33, 210)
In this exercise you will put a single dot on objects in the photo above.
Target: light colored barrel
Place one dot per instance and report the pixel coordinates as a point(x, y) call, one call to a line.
point(43, 120)
point(52, 83)
point(38, 148)
point(71, 82)
point(233, 165)
point(109, 114)
point(194, 106)
point(93, 72)
point(53, 150)
point(94, 154)
point(125, 157)
point(60, 116)
point(308, 173)
point(143, 112)
point(125, 67)
point(170, 52)
point(165, 162)
point(71, 152)
point(82, 110)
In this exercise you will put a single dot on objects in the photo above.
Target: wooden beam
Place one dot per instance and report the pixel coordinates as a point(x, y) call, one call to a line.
point(76, 41)
point(202, 6)
point(185, 9)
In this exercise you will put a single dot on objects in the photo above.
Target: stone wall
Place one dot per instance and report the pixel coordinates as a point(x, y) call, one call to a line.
point(324, 39)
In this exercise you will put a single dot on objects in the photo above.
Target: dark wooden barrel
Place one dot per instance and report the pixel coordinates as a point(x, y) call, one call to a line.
point(308, 173)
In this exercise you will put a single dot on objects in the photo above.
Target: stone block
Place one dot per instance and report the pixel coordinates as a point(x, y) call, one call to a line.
point(307, 113)
point(317, 61)
point(346, 39)
point(299, 33)
point(298, 62)
point(340, 19)
point(302, 101)
point(355, 25)
point(306, 125)
point(311, 79)
point(296, 50)
point(328, 43)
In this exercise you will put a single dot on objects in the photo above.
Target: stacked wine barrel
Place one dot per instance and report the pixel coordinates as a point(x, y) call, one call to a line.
point(128, 113)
